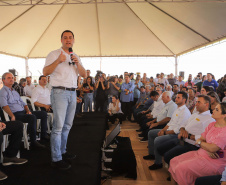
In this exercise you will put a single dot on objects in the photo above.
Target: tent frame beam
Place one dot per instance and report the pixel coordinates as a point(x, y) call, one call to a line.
point(61, 2)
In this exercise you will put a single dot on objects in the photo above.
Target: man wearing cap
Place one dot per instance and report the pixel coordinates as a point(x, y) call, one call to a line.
point(63, 67)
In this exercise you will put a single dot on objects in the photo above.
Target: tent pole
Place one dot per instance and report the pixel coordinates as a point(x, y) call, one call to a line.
point(26, 66)
point(176, 66)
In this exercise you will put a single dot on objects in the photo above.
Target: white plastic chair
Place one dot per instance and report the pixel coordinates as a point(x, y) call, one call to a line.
point(25, 136)
point(50, 115)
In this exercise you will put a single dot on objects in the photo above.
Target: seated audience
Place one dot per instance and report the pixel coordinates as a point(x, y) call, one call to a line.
point(15, 129)
point(14, 106)
point(169, 132)
point(29, 87)
point(215, 100)
point(175, 91)
point(169, 88)
point(213, 179)
point(162, 118)
point(114, 110)
point(41, 95)
point(20, 87)
point(191, 100)
point(190, 131)
point(209, 159)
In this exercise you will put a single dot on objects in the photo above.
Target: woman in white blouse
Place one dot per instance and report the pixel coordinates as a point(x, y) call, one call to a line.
point(114, 110)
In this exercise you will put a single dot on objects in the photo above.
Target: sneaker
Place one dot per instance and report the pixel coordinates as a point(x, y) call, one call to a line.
point(155, 166)
point(68, 156)
point(61, 165)
point(3, 176)
point(144, 140)
point(13, 160)
point(151, 157)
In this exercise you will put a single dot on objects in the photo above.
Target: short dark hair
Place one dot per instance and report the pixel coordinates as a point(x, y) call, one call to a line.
point(176, 85)
point(41, 77)
point(154, 93)
point(184, 95)
point(65, 31)
point(206, 98)
point(207, 88)
point(142, 87)
point(185, 88)
point(116, 97)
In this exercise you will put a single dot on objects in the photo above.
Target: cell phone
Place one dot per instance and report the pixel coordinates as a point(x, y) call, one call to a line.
point(182, 141)
point(220, 153)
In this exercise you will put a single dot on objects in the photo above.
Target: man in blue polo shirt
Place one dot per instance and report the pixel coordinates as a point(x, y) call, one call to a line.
point(210, 81)
point(126, 97)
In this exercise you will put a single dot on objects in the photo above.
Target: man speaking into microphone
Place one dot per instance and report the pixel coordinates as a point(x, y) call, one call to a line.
point(63, 66)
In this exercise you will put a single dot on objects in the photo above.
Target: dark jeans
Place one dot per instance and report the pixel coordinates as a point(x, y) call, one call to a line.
point(208, 180)
point(15, 129)
point(99, 104)
point(114, 116)
point(31, 119)
point(178, 150)
point(126, 109)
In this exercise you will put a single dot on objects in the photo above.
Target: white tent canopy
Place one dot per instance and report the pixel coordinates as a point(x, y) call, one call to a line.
point(32, 28)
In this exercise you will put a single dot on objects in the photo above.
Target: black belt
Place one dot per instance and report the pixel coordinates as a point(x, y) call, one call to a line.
point(64, 88)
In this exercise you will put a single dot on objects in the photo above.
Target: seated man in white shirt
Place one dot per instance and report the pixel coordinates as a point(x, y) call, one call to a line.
point(169, 132)
point(41, 95)
point(190, 131)
point(29, 87)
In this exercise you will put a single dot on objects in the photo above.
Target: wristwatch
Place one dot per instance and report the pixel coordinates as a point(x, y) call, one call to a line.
point(199, 143)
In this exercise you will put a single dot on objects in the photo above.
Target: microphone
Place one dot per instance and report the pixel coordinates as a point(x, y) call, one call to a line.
point(71, 54)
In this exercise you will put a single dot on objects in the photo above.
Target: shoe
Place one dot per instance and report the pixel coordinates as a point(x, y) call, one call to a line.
point(36, 145)
point(133, 121)
point(144, 140)
point(139, 130)
point(45, 138)
point(155, 166)
point(68, 156)
point(61, 165)
point(3, 176)
point(141, 135)
point(151, 157)
point(168, 178)
point(13, 160)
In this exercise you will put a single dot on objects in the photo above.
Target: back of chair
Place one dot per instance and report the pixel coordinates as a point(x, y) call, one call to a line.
point(26, 99)
point(6, 115)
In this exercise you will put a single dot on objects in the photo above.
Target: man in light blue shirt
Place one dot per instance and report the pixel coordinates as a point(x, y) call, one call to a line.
point(126, 97)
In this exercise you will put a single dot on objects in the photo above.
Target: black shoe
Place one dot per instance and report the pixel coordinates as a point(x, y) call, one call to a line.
point(141, 135)
point(45, 138)
point(61, 165)
point(68, 156)
point(37, 145)
point(133, 121)
point(144, 140)
point(168, 178)
point(155, 166)
point(151, 157)
point(139, 130)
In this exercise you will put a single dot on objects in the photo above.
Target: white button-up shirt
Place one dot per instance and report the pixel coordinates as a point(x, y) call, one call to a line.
point(180, 116)
point(158, 106)
point(28, 89)
point(64, 74)
point(167, 111)
point(196, 125)
point(41, 95)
